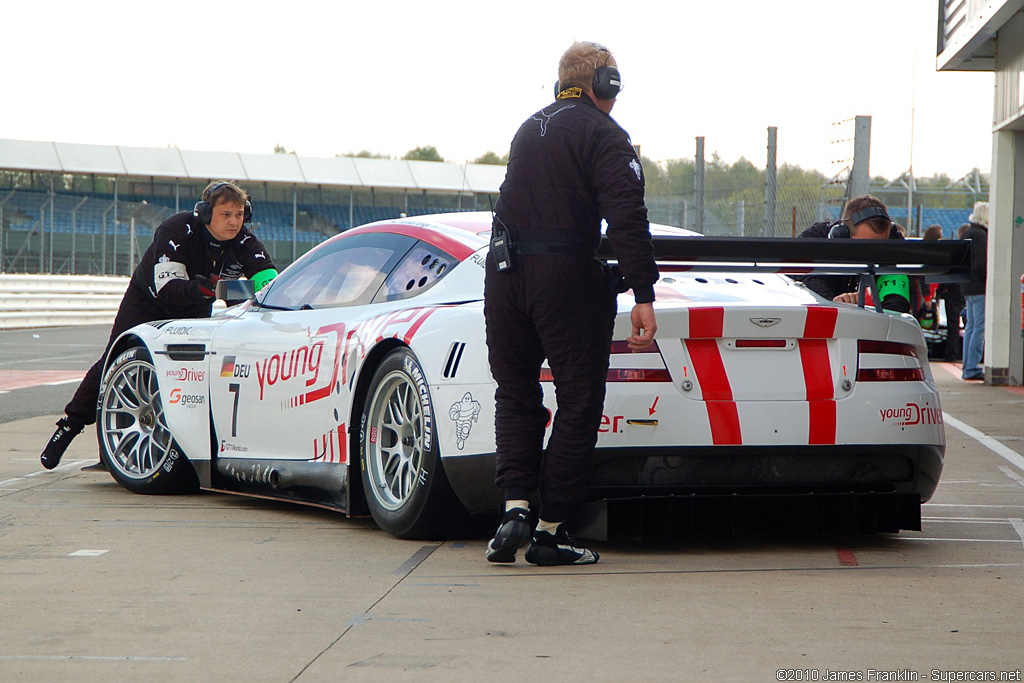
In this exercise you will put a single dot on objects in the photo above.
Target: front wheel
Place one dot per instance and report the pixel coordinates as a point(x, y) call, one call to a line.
point(406, 488)
point(135, 443)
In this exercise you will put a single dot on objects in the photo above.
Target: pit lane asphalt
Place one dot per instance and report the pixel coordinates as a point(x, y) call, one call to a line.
point(97, 584)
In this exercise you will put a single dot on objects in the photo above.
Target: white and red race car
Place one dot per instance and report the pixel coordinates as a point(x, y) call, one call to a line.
point(358, 380)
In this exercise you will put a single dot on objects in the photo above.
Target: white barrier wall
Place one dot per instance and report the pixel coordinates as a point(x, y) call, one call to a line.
point(59, 300)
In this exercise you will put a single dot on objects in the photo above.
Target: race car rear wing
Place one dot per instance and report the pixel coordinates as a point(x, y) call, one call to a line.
point(937, 260)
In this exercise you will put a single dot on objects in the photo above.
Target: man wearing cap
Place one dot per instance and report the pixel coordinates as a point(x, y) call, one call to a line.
point(175, 278)
point(864, 218)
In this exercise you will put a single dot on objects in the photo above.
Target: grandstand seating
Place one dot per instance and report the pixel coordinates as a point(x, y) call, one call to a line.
point(26, 209)
point(28, 214)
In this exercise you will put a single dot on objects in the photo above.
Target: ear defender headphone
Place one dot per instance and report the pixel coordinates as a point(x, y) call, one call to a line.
point(841, 229)
point(204, 210)
point(607, 82)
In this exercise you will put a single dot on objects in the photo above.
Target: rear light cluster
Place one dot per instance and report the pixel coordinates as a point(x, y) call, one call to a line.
point(627, 374)
point(622, 375)
point(890, 374)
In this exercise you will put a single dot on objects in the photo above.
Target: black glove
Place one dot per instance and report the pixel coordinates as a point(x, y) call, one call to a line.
point(203, 287)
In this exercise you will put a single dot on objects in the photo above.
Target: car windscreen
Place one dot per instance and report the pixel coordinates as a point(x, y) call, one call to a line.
point(343, 272)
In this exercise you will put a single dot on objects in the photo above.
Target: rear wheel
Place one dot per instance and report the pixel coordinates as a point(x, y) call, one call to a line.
point(135, 443)
point(406, 488)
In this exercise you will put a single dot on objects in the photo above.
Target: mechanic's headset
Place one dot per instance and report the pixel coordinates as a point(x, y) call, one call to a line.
point(841, 229)
point(204, 209)
point(607, 82)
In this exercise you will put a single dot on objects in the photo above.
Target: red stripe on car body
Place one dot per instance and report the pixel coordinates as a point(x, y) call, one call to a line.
point(822, 417)
point(725, 423)
point(706, 322)
point(821, 322)
point(451, 245)
point(716, 391)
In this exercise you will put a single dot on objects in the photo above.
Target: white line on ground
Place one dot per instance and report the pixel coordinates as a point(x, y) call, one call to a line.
point(1010, 455)
point(970, 505)
point(128, 658)
point(1012, 475)
point(66, 466)
point(960, 540)
point(88, 553)
point(964, 520)
point(1018, 526)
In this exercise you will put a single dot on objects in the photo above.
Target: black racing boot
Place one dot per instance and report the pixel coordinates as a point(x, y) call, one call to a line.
point(512, 535)
point(67, 429)
point(558, 548)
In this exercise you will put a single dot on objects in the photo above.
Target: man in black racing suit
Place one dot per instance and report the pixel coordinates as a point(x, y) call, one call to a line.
point(175, 278)
point(864, 217)
point(570, 165)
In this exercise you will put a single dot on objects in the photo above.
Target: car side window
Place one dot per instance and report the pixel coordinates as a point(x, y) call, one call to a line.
point(423, 266)
point(341, 272)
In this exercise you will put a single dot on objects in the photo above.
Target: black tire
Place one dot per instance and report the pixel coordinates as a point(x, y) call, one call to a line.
point(406, 489)
point(135, 443)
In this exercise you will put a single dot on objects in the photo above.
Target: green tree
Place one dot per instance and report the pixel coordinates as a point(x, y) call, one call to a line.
point(364, 154)
point(492, 159)
point(655, 177)
point(428, 153)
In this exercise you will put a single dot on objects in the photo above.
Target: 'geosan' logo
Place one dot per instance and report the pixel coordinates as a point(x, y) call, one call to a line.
point(177, 397)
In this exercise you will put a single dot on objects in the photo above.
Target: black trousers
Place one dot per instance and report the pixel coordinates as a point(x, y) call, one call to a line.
point(83, 405)
point(557, 307)
point(953, 305)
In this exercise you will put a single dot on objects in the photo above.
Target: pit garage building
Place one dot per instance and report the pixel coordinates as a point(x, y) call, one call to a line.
point(988, 35)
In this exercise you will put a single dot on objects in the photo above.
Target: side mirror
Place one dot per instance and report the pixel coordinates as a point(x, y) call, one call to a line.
point(234, 292)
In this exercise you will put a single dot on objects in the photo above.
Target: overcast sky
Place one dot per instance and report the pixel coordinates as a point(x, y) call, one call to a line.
point(323, 78)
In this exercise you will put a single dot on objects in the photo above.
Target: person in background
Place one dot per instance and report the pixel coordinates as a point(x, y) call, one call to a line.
point(952, 303)
point(864, 217)
point(175, 278)
point(974, 293)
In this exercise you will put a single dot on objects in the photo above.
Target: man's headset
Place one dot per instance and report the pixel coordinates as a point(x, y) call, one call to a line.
point(204, 209)
point(841, 229)
point(607, 82)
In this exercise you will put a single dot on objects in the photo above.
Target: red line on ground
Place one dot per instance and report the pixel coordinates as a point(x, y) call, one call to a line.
point(846, 557)
point(22, 379)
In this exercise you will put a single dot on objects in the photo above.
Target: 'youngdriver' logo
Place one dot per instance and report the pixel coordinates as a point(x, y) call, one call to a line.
point(912, 414)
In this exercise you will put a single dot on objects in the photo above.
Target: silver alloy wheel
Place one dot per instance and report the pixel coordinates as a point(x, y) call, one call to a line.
point(394, 448)
point(134, 432)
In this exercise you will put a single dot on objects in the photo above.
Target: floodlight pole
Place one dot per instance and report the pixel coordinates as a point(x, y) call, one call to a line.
point(771, 184)
point(860, 177)
point(74, 231)
point(698, 186)
point(52, 197)
point(42, 235)
point(2, 236)
point(103, 240)
point(133, 244)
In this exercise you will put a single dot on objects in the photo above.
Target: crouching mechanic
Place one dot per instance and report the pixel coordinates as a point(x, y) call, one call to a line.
point(176, 278)
point(864, 218)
